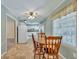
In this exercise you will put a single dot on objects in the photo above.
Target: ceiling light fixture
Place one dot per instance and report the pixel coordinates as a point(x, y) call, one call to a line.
point(31, 15)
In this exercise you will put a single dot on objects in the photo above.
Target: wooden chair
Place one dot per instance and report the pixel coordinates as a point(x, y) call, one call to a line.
point(52, 47)
point(37, 48)
point(41, 37)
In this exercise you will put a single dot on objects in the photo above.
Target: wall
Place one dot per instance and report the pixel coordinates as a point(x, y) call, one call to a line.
point(66, 10)
point(47, 27)
point(3, 30)
point(4, 11)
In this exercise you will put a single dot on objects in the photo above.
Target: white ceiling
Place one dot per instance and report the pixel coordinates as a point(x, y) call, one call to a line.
point(43, 7)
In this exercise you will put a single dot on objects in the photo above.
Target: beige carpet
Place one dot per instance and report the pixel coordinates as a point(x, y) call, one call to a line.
point(21, 51)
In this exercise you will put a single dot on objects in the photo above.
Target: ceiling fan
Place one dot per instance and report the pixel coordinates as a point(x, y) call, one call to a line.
point(32, 14)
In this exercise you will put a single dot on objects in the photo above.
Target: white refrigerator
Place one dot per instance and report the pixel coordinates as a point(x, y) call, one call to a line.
point(22, 33)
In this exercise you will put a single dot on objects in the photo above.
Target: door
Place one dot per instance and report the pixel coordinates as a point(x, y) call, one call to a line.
point(10, 32)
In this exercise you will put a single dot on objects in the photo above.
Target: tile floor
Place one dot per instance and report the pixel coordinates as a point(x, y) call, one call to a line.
point(21, 51)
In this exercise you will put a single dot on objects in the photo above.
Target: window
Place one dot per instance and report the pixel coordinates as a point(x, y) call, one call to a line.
point(66, 27)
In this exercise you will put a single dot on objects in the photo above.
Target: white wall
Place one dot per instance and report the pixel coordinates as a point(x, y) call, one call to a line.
point(3, 30)
point(4, 11)
point(48, 27)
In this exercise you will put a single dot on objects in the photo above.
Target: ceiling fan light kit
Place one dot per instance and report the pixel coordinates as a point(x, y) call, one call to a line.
point(31, 15)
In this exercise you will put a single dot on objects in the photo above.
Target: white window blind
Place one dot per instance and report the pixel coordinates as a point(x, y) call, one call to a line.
point(66, 27)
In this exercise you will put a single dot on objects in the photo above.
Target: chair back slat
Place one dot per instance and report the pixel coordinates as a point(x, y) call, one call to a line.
point(53, 44)
point(41, 37)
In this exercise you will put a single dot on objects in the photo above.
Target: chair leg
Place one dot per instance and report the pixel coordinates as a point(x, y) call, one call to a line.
point(34, 56)
point(57, 57)
point(43, 56)
point(48, 56)
point(39, 56)
point(52, 56)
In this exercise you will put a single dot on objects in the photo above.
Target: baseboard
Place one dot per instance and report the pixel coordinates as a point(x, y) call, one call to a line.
point(69, 46)
point(3, 54)
point(62, 56)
